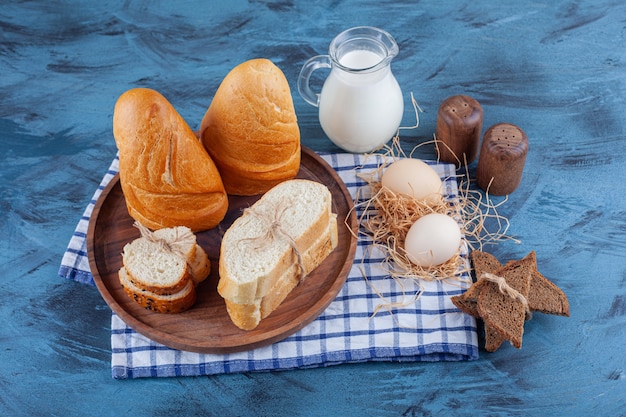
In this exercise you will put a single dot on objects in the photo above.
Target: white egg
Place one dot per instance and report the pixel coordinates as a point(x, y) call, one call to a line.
point(415, 178)
point(432, 240)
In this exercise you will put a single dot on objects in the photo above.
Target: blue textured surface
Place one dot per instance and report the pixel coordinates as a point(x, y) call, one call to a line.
point(555, 68)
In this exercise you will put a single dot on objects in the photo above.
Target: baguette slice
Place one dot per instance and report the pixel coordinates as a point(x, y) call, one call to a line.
point(180, 238)
point(183, 242)
point(166, 265)
point(257, 269)
point(160, 303)
point(248, 316)
point(154, 269)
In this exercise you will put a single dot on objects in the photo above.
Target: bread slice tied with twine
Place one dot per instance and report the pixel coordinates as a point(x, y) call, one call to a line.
point(162, 268)
point(503, 301)
point(273, 246)
point(506, 296)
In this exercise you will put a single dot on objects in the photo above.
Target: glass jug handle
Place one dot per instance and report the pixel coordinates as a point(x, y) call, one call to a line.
point(304, 88)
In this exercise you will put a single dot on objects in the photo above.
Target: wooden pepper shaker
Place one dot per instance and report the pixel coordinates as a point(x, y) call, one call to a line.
point(459, 125)
point(502, 159)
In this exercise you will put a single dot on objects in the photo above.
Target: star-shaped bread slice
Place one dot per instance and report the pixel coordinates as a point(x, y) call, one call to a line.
point(468, 303)
point(543, 295)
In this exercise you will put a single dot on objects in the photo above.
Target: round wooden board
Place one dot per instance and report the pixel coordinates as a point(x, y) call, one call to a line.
point(206, 327)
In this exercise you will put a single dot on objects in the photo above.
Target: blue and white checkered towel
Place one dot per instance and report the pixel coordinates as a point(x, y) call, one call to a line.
point(429, 329)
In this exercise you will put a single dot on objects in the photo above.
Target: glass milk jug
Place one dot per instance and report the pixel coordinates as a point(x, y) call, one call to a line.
point(361, 104)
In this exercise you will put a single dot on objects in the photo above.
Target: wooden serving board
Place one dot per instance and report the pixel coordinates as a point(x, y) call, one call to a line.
point(206, 327)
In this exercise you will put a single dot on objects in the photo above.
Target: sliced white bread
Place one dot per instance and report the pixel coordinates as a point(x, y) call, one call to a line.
point(166, 266)
point(247, 316)
point(170, 303)
point(181, 239)
point(201, 266)
point(250, 261)
point(253, 261)
point(152, 268)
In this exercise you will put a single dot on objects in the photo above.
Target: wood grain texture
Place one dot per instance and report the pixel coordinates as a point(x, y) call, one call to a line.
point(502, 159)
point(554, 68)
point(459, 129)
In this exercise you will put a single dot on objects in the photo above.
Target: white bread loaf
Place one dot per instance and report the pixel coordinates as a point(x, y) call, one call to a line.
point(167, 177)
point(273, 246)
point(251, 130)
point(162, 268)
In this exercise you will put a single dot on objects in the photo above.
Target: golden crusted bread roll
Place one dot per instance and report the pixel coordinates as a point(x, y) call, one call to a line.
point(251, 130)
point(167, 177)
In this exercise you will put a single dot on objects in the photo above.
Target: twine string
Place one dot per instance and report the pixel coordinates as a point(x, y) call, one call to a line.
point(506, 289)
point(167, 246)
point(274, 230)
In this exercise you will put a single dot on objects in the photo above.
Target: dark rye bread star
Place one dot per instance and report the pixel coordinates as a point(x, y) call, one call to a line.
point(487, 263)
point(467, 302)
point(543, 296)
point(502, 312)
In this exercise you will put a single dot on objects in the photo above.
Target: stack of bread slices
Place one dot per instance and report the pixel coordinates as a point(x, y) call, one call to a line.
point(502, 312)
point(161, 269)
point(272, 247)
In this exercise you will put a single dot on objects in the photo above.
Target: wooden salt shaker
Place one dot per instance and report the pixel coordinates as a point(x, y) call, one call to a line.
point(502, 158)
point(459, 125)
